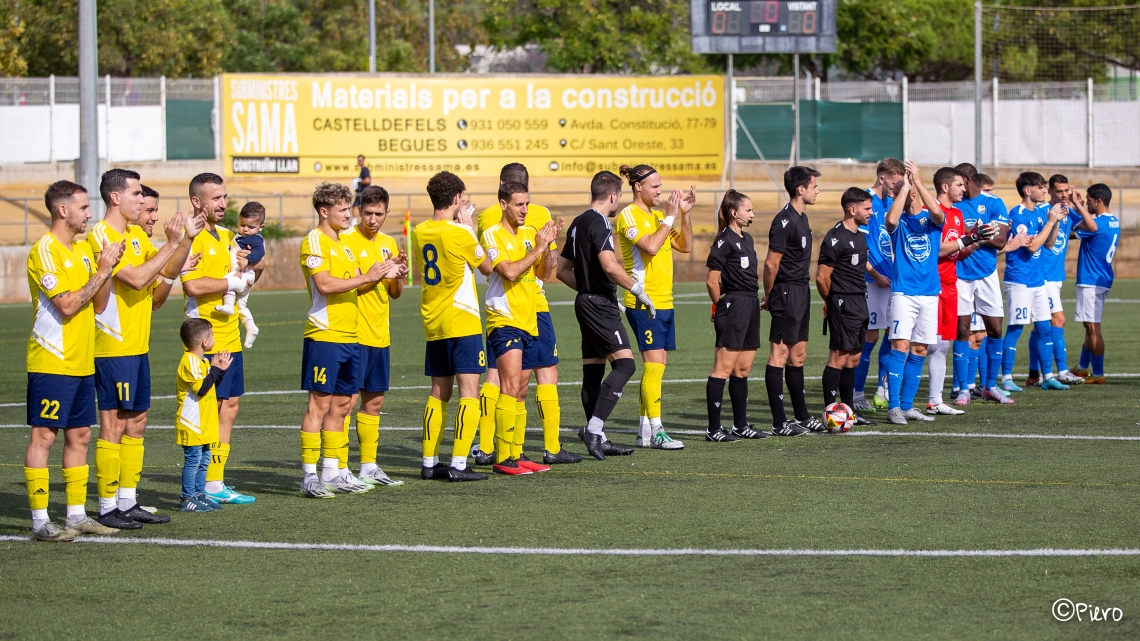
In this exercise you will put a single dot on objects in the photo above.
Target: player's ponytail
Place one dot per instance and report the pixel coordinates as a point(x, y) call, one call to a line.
point(636, 174)
point(729, 205)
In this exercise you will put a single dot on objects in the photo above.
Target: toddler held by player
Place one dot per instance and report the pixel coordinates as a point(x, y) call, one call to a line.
point(196, 424)
point(251, 220)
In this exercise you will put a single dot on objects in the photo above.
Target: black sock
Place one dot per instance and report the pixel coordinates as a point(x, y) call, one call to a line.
point(774, 382)
point(592, 375)
point(610, 393)
point(738, 392)
point(794, 377)
point(714, 395)
point(847, 387)
point(830, 385)
point(1034, 373)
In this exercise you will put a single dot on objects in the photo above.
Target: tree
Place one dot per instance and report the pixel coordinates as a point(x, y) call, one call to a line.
point(11, 62)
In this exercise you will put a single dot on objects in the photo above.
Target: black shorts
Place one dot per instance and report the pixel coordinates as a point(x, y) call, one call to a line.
point(790, 306)
point(737, 321)
point(603, 333)
point(847, 319)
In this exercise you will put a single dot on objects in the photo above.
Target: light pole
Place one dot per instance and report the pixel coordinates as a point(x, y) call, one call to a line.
point(87, 167)
point(431, 36)
point(371, 36)
point(978, 85)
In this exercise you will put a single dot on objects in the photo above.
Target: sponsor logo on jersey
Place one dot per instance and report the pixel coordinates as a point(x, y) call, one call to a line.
point(917, 247)
point(885, 244)
point(784, 222)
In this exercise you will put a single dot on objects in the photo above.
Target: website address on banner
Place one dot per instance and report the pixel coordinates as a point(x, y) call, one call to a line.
point(383, 167)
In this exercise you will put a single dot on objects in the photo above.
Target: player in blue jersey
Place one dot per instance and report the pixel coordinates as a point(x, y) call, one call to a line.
point(880, 268)
point(1053, 256)
point(1028, 303)
point(1094, 278)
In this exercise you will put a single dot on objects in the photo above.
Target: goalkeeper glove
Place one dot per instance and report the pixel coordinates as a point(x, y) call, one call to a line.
point(638, 290)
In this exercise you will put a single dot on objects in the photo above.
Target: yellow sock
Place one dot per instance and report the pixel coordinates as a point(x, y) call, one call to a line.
point(347, 422)
point(504, 427)
point(219, 454)
point(330, 444)
point(368, 434)
point(310, 447)
point(107, 465)
point(488, 398)
point(342, 448)
point(520, 429)
point(550, 412)
point(651, 389)
point(434, 414)
point(466, 421)
point(37, 481)
point(131, 457)
point(75, 483)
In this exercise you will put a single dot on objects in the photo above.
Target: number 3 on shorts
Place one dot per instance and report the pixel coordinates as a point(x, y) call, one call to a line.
point(648, 337)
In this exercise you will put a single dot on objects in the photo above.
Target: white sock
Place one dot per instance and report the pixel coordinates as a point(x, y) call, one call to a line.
point(107, 505)
point(595, 426)
point(127, 498)
point(431, 461)
point(882, 392)
point(39, 518)
point(1063, 372)
point(309, 468)
point(343, 472)
point(365, 468)
point(1048, 375)
point(75, 513)
point(936, 367)
point(644, 428)
point(656, 423)
point(330, 470)
point(972, 386)
point(860, 396)
point(215, 487)
point(459, 462)
point(1006, 377)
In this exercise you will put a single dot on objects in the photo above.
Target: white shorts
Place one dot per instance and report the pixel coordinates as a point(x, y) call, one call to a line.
point(1090, 303)
point(878, 307)
point(1053, 293)
point(976, 323)
point(981, 296)
point(1027, 305)
point(914, 318)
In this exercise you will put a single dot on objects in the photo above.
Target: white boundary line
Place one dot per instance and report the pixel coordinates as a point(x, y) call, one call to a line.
point(456, 549)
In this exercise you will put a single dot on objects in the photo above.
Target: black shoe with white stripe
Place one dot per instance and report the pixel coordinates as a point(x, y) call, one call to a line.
point(721, 436)
point(748, 432)
point(813, 424)
point(789, 428)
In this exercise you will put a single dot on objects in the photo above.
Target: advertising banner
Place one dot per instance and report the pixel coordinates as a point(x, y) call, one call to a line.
point(317, 124)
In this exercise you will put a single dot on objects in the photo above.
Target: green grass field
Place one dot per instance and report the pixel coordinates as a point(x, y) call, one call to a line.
point(888, 492)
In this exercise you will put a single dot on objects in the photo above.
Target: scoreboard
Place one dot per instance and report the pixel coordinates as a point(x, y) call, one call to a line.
point(763, 26)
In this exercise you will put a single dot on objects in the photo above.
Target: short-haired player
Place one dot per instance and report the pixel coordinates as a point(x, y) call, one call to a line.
point(1094, 279)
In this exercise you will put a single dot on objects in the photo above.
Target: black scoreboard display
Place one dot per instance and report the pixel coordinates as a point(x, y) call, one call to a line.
point(763, 26)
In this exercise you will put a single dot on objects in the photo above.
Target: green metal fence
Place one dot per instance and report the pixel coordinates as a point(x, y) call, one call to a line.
point(189, 132)
point(865, 132)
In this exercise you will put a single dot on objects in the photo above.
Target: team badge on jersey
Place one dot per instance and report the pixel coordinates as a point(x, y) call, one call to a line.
point(348, 252)
point(87, 262)
point(854, 259)
point(135, 246)
point(528, 245)
point(744, 262)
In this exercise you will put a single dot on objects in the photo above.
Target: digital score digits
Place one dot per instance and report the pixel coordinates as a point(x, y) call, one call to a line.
point(764, 17)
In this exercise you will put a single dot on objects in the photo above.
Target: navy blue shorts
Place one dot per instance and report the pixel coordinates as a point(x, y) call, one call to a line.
point(55, 400)
point(377, 368)
point(123, 383)
point(233, 379)
point(543, 351)
point(331, 368)
point(451, 356)
point(652, 334)
point(503, 339)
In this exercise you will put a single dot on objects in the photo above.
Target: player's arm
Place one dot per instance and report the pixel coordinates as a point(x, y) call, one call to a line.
point(193, 225)
point(891, 222)
point(880, 280)
point(164, 285)
point(327, 284)
point(614, 270)
point(511, 270)
point(395, 285)
point(68, 304)
point(771, 268)
point(1088, 221)
point(142, 276)
point(823, 280)
point(1048, 234)
point(718, 257)
point(928, 199)
point(565, 273)
point(683, 242)
point(712, 284)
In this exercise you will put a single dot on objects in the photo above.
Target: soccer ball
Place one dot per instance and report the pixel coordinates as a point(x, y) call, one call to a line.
point(838, 418)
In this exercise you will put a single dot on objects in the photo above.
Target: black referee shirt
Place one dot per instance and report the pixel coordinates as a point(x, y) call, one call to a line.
point(588, 236)
point(735, 258)
point(845, 252)
point(791, 236)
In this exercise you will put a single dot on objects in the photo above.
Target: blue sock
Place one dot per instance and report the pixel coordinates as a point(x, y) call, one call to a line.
point(912, 376)
point(1009, 348)
point(863, 367)
point(884, 357)
point(1043, 332)
point(994, 347)
point(1086, 357)
point(961, 363)
point(1098, 365)
point(895, 368)
point(1034, 352)
point(1060, 350)
point(972, 366)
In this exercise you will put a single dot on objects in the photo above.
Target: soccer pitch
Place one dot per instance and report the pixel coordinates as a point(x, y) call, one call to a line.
point(934, 530)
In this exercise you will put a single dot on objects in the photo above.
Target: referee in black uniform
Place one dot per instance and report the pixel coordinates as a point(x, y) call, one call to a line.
point(733, 285)
point(841, 281)
point(788, 299)
point(588, 266)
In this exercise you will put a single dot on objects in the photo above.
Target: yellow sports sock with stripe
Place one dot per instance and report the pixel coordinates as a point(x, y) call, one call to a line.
point(504, 427)
point(310, 448)
point(466, 424)
point(368, 435)
point(435, 411)
point(520, 429)
point(342, 448)
point(37, 481)
point(131, 461)
point(107, 466)
point(651, 389)
point(550, 412)
point(75, 484)
point(488, 400)
point(347, 422)
point(219, 454)
point(330, 444)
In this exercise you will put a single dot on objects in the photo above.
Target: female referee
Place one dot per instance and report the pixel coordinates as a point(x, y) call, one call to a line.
point(733, 285)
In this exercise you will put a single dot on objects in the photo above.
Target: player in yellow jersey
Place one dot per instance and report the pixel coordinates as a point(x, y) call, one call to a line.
point(519, 260)
point(203, 288)
point(63, 278)
point(372, 246)
point(446, 253)
point(122, 341)
point(196, 422)
point(543, 354)
point(648, 238)
point(331, 362)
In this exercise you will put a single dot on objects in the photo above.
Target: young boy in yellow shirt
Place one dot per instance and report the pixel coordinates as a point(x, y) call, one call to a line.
point(196, 425)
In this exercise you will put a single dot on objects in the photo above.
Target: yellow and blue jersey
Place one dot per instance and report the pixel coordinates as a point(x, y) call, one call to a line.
point(197, 420)
point(58, 345)
point(123, 328)
point(372, 328)
point(656, 272)
point(511, 303)
point(536, 216)
point(215, 251)
point(332, 318)
point(446, 255)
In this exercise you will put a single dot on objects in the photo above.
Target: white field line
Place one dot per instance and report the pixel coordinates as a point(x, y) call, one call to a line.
point(456, 549)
